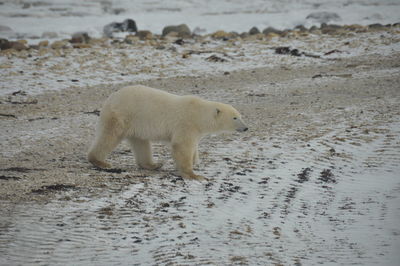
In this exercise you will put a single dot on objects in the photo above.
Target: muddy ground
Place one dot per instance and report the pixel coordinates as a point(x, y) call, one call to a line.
point(288, 191)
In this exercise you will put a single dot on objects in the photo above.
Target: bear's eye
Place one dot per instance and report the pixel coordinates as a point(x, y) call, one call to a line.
point(234, 118)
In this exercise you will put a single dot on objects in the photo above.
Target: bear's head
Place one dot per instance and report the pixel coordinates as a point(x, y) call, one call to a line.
point(228, 118)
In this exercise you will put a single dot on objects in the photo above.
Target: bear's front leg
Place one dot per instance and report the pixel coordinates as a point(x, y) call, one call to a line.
point(143, 154)
point(183, 155)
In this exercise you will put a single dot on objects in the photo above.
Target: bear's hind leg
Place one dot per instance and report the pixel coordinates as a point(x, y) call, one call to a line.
point(196, 159)
point(143, 154)
point(107, 139)
point(103, 146)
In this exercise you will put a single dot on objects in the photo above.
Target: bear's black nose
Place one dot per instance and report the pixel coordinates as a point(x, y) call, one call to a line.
point(245, 129)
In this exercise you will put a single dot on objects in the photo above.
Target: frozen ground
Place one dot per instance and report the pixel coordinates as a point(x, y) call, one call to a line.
point(29, 19)
point(36, 71)
point(314, 181)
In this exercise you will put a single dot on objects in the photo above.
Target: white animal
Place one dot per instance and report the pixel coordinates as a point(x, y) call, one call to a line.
point(141, 114)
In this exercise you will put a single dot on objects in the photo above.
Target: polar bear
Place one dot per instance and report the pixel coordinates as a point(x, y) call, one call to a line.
point(142, 114)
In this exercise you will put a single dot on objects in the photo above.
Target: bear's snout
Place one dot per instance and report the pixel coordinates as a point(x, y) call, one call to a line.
point(242, 129)
point(240, 125)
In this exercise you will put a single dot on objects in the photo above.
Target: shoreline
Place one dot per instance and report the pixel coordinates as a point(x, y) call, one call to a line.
point(93, 62)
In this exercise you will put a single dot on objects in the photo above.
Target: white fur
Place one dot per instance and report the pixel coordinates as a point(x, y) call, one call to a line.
point(141, 114)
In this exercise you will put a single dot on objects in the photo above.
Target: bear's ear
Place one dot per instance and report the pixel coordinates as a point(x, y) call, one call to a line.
point(217, 112)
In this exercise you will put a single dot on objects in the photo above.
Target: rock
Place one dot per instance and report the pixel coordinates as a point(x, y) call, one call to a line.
point(128, 25)
point(330, 29)
point(271, 35)
point(4, 28)
point(214, 58)
point(172, 34)
point(254, 37)
point(182, 30)
point(268, 30)
point(144, 35)
point(356, 28)
point(44, 43)
point(324, 17)
point(244, 35)
point(223, 35)
point(376, 26)
point(234, 34)
point(19, 46)
point(81, 45)
point(49, 35)
point(172, 49)
point(80, 37)
point(60, 45)
point(161, 47)
point(131, 39)
point(179, 42)
point(291, 33)
point(4, 44)
point(287, 50)
point(254, 31)
point(220, 34)
point(301, 28)
point(34, 46)
point(44, 50)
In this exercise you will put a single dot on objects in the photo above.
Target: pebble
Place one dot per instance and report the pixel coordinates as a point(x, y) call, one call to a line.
point(80, 37)
point(128, 25)
point(144, 35)
point(60, 45)
point(131, 39)
point(44, 43)
point(330, 29)
point(301, 28)
point(182, 30)
point(376, 26)
point(254, 31)
point(271, 35)
point(356, 28)
point(223, 35)
point(18, 46)
point(81, 45)
point(4, 44)
point(269, 30)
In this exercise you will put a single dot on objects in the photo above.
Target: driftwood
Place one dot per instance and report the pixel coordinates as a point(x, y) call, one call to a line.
point(190, 52)
point(8, 115)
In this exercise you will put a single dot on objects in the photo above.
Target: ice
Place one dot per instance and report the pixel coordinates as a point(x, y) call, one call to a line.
point(70, 16)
